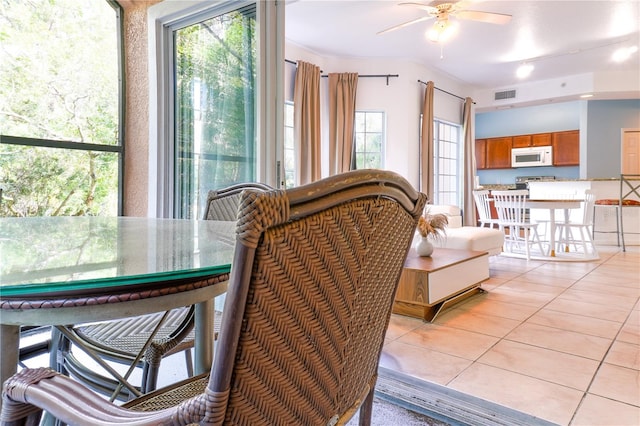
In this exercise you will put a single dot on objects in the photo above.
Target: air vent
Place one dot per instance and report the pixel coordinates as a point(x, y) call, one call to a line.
point(506, 94)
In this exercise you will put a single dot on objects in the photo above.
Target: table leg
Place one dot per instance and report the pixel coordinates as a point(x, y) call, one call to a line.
point(10, 344)
point(203, 337)
point(566, 231)
point(552, 237)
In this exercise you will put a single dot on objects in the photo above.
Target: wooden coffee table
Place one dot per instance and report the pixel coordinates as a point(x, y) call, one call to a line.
point(428, 285)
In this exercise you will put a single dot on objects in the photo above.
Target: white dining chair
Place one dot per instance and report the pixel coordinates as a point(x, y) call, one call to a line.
point(481, 197)
point(519, 231)
point(584, 226)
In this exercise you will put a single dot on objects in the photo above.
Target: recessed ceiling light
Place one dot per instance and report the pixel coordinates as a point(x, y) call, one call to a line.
point(624, 53)
point(587, 95)
point(524, 70)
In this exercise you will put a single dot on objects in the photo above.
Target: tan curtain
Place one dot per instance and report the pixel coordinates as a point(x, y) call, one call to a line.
point(426, 151)
point(468, 204)
point(342, 110)
point(306, 123)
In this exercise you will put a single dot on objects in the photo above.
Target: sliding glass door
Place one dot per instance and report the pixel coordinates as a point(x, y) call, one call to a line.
point(215, 120)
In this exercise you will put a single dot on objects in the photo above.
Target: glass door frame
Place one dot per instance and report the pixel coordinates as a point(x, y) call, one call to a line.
point(163, 19)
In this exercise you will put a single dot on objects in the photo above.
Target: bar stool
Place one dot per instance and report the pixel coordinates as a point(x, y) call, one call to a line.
point(629, 197)
point(606, 203)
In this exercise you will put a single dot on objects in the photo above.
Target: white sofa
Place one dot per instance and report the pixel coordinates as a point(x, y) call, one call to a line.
point(466, 237)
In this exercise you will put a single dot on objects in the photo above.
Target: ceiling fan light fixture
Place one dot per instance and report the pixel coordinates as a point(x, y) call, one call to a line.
point(524, 70)
point(441, 31)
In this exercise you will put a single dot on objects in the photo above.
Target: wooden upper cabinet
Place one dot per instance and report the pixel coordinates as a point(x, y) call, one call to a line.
point(541, 139)
point(481, 154)
point(521, 141)
point(525, 141)
point(498, 153)
point(495, 153)
point(566, 148)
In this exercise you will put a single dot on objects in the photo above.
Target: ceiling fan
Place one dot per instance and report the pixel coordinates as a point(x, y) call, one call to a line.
point(441, 12)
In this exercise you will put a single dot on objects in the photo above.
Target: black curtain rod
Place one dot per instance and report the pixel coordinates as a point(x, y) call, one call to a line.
point(387, 76)
point(444, 91)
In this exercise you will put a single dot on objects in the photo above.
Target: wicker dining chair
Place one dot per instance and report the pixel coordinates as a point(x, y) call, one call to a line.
point(309, 300)
point(125, 340)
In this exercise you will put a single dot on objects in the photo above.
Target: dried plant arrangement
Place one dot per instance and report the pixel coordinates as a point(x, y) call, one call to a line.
point(432, 224)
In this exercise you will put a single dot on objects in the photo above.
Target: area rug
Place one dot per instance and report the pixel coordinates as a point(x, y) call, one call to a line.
point(386, 413)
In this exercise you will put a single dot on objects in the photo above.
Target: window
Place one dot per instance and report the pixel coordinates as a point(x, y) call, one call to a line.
point(447, 163)
point(369, 139)
point(60, 90)
point(212, 120)
point(215, 101)
point(289, 153)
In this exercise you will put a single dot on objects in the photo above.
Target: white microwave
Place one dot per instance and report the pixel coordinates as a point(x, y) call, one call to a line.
point(532, 157)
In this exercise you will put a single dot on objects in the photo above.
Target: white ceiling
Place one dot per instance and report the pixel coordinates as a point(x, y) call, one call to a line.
point(560, 38)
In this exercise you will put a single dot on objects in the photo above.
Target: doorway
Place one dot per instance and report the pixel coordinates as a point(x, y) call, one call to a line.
point(630, 160)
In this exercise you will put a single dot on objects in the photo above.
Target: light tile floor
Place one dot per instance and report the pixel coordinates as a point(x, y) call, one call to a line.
point(557, 340)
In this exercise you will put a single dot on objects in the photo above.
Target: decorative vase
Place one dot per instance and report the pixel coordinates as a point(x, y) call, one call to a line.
point(424, 247)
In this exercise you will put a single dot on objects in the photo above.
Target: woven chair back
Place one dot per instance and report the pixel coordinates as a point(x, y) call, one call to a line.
point(306, 314)
point(223, 204)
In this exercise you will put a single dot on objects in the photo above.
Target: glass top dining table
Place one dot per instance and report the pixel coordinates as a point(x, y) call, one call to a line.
point(70, 270)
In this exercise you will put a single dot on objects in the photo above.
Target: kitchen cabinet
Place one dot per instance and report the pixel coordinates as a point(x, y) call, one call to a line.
point(566, 148)
point(521, 141)
point(481, 154)
point(541, 139)
point(498, 154)
point(525, 141)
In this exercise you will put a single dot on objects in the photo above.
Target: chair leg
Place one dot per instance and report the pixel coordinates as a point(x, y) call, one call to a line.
point(366, 410)
point(621, 233)
point(188, 359)
point(527, 249)
point(617, 214)
point(538, 240)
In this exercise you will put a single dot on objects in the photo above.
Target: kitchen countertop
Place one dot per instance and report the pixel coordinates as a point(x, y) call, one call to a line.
point(503, 187)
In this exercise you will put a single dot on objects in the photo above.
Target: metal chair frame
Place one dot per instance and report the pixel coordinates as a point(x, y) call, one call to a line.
point(629, 197)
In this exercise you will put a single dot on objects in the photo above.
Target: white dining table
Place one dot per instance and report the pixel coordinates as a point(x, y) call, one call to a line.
point(553, 205)
point(70, 270)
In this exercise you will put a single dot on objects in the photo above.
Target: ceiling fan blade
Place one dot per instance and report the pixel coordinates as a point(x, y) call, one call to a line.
point(422, 6)
point(406, 24)
point(488, 17)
